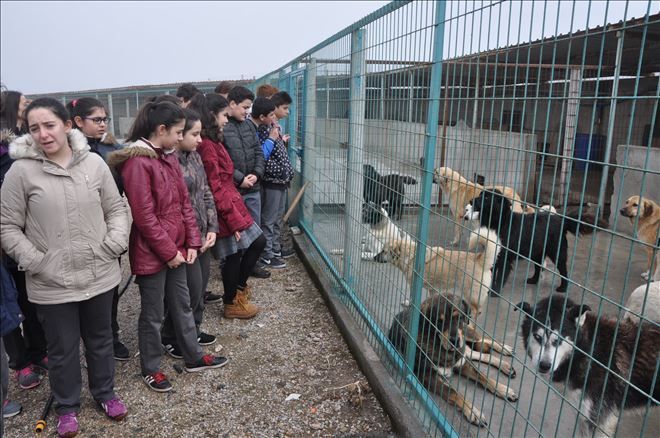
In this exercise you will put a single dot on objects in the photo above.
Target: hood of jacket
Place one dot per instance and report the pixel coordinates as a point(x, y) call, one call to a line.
point(25, 147)
point(138, 148)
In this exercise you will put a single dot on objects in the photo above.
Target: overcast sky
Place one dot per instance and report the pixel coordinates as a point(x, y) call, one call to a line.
point(68, 46)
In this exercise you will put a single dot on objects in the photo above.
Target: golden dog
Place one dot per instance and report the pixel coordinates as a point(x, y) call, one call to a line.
point(461, 192)
point(647, 213)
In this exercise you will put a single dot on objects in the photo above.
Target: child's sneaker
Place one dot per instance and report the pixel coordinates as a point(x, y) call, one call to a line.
point(172, 348)
point(157, 381)
point(42, 365)
point(120, 351)
point(11, 408)
point(67, 425)
point(277, 263)
point(27, 377)
point(115, 409)
point(206, 339)
point(207, 362)
point(285, 253)
point(211, 298)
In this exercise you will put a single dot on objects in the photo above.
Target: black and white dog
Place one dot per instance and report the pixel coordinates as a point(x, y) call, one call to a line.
point(386, 188)
point(381, 230)
point(557, 329)
point(534, 236)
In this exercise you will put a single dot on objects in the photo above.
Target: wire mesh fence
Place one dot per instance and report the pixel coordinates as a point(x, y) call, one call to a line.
point(466, 160)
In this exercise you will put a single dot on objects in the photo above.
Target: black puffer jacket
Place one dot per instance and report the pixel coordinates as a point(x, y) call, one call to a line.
point(242, 143)
point(103, 147)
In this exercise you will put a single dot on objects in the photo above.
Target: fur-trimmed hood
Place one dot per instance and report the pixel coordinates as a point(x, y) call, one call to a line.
point(25, 147)
point(138, 148)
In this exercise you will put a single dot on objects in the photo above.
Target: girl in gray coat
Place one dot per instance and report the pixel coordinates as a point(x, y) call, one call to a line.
point(62, 220)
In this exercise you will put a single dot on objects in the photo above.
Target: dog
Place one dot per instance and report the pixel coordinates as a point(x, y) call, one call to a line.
point(525, 235)
point(390, 188)
point(552, 337)
point(647, 215)
point(441, 350)
point(461, 191)
point(467, 273)
point(381, 230)
point(644, 301)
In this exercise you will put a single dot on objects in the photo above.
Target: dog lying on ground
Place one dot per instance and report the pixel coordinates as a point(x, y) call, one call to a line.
point(647, 215)
point(461, 192)
point(391, 188)
point(442, 351)
point(534, 236)
point(645, 301)
point(381, 230)
point(552, 336)
point(466, 273)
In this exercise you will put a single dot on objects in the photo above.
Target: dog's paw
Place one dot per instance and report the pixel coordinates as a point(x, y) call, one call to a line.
point(511, 395)
point(645, 275)
point(476, 417)
point(507, 369)
point(506, 350)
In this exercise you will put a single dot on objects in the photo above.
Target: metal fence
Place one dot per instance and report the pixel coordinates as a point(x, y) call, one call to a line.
point(557, 101)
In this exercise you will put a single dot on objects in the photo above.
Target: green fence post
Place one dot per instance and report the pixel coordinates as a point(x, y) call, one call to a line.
point(111, 114)
point(308, 150)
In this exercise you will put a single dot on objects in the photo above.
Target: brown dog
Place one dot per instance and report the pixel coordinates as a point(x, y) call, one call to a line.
point(461, 192)
point(441, 351)
point(647, 215)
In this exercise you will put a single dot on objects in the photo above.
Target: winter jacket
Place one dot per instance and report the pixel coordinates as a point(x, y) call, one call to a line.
point(233, 215)
point(244, 148)
point(279, 172)
point(200, 194)
point(10, 313)
point(163, 220)
point(6, 137)
point(65, 227)
point(104, 146)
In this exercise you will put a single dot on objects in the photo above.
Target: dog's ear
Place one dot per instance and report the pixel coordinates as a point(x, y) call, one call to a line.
point(578, 313)
point(648, 209)
point(524, 306)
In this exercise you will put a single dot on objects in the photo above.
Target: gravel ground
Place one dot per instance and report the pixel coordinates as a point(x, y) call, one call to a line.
point(292, 347)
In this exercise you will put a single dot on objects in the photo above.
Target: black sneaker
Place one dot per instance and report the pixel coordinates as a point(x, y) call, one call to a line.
point(207, 362)
point(157, 381)
point(121, 352)
point(173, 350)
point(206, 339)
point(210, 298)
point(277, 263)
point(259, 272)
point(286, 253)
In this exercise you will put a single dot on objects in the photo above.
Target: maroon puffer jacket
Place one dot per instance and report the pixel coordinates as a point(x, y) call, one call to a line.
point(163, 219)
point(233, 215)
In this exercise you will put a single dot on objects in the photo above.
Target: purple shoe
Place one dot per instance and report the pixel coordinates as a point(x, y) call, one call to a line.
point(67, 425)
point(115, 409)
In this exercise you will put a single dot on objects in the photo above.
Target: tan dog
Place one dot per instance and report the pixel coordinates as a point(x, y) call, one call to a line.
point(648, 225)
point(467, 274)
point(461, 192)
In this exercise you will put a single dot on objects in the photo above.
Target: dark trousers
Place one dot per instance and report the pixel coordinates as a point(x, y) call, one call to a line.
point(27, 346)
point(115, 306)
point(197, 277)
point(64, 325)
point(237, 268)
point(171, 285)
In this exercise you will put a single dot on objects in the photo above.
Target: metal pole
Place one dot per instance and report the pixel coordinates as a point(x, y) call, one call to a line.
point(308, 150)
point(610, 124)
point(570, 126)
point(354, 158)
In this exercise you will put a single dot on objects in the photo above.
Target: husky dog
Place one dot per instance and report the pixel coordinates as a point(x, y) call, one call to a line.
point(441, 351)
point(381, 230)
point(557, 329)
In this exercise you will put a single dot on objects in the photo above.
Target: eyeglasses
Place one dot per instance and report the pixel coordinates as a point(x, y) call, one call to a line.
point(98, 120)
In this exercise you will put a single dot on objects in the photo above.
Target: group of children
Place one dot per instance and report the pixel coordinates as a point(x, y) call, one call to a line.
point(204, 180)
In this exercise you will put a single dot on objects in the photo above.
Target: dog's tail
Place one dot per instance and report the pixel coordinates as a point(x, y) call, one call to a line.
point(585, 224)
point(491, 242)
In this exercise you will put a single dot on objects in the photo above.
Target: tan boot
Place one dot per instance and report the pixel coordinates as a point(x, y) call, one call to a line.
point(245, 294)
point(241, 309)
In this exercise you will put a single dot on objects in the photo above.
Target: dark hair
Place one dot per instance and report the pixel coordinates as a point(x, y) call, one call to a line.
point(186, 91)
point(165, 98)
point(238, 94)
point(208, 106)
point(281, 98)
point(9, 102)
point(54, 105)
point(151, 116)
point(262, 107)
point(82, 108)
point(266, 90)
point(192, 116)
point(223, 87)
